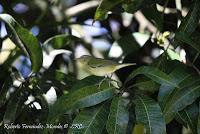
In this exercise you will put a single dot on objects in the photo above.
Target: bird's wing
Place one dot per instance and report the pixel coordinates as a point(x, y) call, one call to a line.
point(97, 62)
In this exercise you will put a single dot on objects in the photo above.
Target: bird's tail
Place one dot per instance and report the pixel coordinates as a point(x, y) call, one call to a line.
point(124, 65)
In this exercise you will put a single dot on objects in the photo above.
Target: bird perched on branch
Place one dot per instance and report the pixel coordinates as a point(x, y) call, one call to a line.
point(100, 67)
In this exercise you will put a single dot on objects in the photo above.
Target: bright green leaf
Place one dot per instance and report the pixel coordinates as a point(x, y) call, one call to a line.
point(118, 117)
point(104, 7)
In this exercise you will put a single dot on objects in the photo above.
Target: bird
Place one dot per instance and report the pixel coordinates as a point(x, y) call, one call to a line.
point(100, 67)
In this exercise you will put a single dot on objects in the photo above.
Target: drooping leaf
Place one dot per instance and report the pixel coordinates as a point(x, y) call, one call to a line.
point(149, 113)
point(81, 98)
point(191, 21)
point(154, 74)
point(134, 5)
point(25, 40)
point(104, 7)
point(189, 116)
point(60, 41)
point(118, 117)
point(178, 75)
point(92, 120)
point(180, 99)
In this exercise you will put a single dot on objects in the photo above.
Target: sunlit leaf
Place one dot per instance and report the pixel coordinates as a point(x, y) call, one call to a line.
point(118, 117)
point(149, 113)
point(25, 40)
point(60, 41)
point(104, 7)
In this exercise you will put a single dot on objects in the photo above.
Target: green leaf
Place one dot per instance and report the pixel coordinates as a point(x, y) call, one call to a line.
point(13, 105)
point(60, 41)
point(91, 120)
point(104, 7)
point(146, 85)
point(191, 21)
point(165, 92)
point(192, 40)
point(90, 80)
point(118, 117)
point(134, 5)
point(154, 74)
point(180, 99)
point(149, 113)
point(189, 116)
point(84, 97)
point(25, 40)
point(7, 84)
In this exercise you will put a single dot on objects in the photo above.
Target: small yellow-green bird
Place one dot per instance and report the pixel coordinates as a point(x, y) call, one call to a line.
point(98, 66)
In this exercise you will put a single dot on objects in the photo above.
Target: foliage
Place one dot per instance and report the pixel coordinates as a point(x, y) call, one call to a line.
point(42, 85)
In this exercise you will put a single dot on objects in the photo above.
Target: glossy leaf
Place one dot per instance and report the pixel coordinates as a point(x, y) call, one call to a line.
point(84, 97)
point(104, 7)
point(25, 40)
point(154, 74)
point(165, 92)
point(180, 99)
point(149, 113)
point(189, 116)
point(92, 120)
point(135, 5)
point(118, 117)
